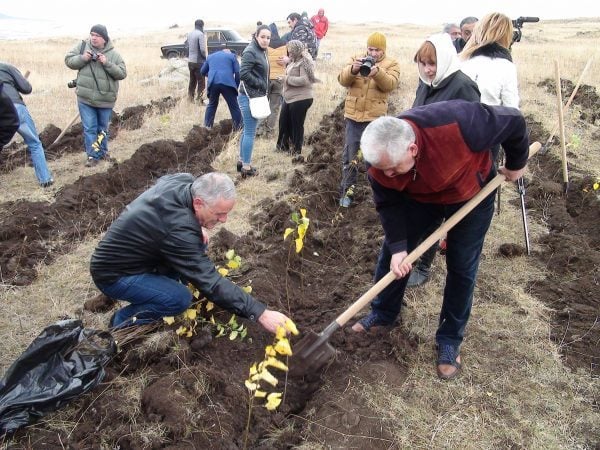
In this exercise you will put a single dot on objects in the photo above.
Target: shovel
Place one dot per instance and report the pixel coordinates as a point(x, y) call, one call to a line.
point(314, 350)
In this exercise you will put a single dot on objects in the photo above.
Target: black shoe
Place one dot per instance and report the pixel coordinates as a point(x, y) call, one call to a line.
point(47, 184)
point(417, 277)
point(239, 166)
point(249, 172)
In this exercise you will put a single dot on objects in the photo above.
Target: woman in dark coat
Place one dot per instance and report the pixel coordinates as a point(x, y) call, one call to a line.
point(254, 75)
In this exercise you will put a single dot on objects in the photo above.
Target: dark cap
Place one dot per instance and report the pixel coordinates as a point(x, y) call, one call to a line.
point(101, 30)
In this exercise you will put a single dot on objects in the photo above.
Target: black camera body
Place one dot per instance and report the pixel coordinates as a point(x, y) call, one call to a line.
point(71, 84)
point(518, 23)
point(94, 56)
point(367, 64)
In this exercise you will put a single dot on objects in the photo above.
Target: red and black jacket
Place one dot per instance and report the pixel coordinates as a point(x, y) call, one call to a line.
point(454, 161)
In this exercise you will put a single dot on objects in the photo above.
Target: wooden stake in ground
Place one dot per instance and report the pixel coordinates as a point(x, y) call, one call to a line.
point(64, 130)
point(561, 128)
point(571, 97)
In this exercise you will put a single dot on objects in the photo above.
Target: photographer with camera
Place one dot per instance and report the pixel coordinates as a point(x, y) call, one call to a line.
point(99, 69)
point(369, 79)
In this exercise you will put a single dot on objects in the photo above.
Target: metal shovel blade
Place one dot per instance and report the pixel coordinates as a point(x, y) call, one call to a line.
point(311, 354)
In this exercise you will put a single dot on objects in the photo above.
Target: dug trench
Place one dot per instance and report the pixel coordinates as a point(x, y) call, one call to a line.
point(194, 395)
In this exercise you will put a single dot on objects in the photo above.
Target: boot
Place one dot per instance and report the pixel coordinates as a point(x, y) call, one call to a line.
point(99, 303)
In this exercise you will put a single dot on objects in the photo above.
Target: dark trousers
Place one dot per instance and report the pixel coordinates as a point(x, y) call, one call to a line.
point(354, 131)
point(291, 125)
point(196, 80)
point(464, 245)
point(230, 95)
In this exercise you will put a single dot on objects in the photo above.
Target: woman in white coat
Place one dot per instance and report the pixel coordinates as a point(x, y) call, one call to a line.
point(487, 60)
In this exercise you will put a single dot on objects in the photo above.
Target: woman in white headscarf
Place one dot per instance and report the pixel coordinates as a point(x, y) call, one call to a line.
point(440, 79)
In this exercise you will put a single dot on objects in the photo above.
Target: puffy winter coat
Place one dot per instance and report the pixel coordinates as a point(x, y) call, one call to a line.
point(367, 98)
point(97, 83)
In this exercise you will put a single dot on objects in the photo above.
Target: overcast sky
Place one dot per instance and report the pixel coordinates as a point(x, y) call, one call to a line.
point(185, 11)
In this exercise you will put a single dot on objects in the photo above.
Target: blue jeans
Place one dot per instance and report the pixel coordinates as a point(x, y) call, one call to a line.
point(230, 95)
point(36, 150)
point(150, 298)
point(249, 131)
point(464, 245)
point(94, 121)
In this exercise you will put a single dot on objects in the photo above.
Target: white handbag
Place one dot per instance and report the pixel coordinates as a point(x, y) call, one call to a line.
point(259, 106)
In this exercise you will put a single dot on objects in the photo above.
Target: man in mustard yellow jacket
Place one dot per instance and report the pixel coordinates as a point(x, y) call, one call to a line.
point(369, 78)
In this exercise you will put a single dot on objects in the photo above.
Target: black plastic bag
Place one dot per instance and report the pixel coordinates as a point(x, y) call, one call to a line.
point(63, 362)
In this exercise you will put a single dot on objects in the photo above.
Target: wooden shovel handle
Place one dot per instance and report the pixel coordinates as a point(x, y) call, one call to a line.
point(368, 296)
point(63, 132)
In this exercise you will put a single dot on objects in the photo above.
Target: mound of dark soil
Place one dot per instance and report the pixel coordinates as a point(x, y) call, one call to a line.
point(132, 118)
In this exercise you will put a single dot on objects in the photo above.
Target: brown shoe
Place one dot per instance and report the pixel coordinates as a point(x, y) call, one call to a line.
point(99, 303)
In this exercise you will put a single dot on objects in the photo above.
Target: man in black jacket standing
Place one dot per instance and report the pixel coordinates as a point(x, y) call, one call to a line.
point(159, 243)
point(303, 31)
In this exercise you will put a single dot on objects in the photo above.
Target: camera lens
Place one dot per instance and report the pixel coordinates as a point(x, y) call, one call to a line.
point(367, 65)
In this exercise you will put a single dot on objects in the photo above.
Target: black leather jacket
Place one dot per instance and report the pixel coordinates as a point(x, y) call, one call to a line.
point(159, 233)
point(254, 71)
point(9, 119)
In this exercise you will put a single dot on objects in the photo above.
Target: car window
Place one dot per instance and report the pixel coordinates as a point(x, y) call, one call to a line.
point(234, 36)
point(213, 36)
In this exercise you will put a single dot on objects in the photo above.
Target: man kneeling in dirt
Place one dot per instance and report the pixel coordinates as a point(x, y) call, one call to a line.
point(159, 243)
point(425, 165)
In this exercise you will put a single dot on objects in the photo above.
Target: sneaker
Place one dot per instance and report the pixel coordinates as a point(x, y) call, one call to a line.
point(345, 201)
point(91, 162)
point(448, 365)
point(417, 277)
point(248, 172)
point(47, 184)
point(369, 321)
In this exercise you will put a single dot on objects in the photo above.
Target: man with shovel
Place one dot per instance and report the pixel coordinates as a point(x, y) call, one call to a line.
point(425, 165)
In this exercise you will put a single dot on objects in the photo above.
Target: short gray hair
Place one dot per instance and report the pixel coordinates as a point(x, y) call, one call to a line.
point(386, 135)
point(449, 26)
point(468, 21)
point(213, 186)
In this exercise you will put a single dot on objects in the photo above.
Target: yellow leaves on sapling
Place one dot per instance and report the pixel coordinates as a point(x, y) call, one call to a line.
point(302, 223)
point(273, 401)
point(170, 320)
point(283, 347)
point(260, 373)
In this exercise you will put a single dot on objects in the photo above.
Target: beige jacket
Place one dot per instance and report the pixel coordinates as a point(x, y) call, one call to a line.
point(273, 54)
point(367, 98)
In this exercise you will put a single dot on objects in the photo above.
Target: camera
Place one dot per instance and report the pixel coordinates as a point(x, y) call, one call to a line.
point(94, 56)
point(518, 23)
point(366, 66)
point(71, 84)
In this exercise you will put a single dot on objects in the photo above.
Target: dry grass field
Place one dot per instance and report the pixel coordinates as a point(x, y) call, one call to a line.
point(529, 398)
